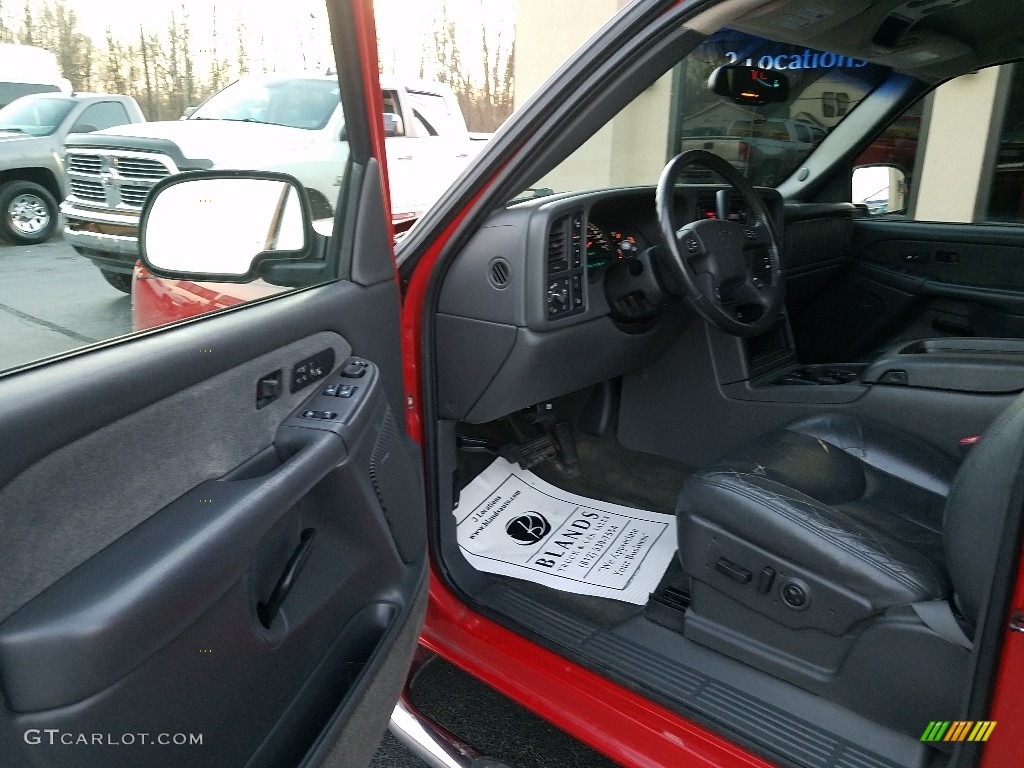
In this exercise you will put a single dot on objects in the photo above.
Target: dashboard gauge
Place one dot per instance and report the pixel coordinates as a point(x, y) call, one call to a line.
point(626, 244)
point(599, 250)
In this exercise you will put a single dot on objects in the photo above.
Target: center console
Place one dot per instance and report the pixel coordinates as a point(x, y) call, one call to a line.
point(990, 366)
point(766, 368)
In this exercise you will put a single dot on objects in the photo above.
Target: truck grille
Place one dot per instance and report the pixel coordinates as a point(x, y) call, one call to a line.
point(116, 179)
point(88, 190)
point(135, 196)
point(84, 163)
point(133, 168)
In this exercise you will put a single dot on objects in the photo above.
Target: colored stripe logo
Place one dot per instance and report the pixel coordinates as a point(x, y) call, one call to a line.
point(958, 730)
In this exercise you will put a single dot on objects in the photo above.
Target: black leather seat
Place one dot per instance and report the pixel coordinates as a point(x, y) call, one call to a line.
point(820, 552)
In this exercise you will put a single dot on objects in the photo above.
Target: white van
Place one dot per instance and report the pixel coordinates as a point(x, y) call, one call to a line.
point(26, 69)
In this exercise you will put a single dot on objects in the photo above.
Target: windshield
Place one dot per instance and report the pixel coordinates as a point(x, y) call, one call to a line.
point(11, 91)
point(680, 112)
point(296, 102)
point(35, 116)
point(767, 143)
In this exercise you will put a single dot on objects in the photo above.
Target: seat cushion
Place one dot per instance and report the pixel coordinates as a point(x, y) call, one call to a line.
point(851, 499)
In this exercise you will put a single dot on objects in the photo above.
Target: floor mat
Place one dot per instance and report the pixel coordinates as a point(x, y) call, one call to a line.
point(510, 522)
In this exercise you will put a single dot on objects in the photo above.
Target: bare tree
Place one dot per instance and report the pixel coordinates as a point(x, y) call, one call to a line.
point(25, 36)
point(149, 103)
point(243, 63)
point(6, 33)
point(485, 88)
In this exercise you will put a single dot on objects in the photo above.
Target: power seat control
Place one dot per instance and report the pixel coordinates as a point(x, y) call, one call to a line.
point(765, 581)
point(737, 573)
point(795, 595)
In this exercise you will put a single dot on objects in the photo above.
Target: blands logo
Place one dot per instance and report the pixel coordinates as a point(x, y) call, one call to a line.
point(958, 730)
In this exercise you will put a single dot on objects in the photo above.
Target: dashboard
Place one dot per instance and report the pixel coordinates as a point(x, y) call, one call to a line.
point(535, 294)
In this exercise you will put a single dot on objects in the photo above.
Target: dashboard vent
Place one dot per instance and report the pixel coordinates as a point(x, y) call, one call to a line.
point(499, 273)
point(557, 240)
point(566, 294)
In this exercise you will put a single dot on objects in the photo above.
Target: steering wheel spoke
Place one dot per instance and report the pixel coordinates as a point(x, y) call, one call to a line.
point(758, 236)
point(711, 259)
point(751, 291)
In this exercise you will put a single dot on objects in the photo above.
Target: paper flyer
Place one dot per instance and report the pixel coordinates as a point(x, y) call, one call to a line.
point(511, 522)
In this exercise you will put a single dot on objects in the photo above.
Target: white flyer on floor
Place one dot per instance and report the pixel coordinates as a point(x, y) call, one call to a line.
point(513, 523)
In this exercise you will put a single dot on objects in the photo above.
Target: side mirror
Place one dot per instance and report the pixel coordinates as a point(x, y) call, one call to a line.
point(188, 112)
point(224, 226)
point(880, 188)
point(751, 86)
point(393, 124)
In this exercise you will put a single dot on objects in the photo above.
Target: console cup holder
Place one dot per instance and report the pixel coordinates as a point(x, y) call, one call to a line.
point(816, 375)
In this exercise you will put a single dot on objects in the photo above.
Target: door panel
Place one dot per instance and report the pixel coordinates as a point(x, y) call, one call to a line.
point(149, 509)
point(912, 280)
point(969, 255)
point(815, 247)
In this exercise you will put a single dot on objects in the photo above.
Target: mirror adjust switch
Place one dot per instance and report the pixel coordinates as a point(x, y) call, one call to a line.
point(354, 369)
point(324, 415)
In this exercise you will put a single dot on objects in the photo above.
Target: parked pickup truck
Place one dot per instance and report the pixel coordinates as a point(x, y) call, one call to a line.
point(765, 150)
point(33, 129)
point(293, 124)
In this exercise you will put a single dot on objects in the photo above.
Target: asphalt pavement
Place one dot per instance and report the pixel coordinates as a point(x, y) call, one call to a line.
point(53, 300)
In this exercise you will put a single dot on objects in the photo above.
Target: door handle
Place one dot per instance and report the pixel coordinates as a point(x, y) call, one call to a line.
point(404, 157)
point(267, 611)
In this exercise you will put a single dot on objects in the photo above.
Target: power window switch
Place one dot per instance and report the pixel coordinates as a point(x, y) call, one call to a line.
point(346, 390)
point(319, 415)
point(331, 390)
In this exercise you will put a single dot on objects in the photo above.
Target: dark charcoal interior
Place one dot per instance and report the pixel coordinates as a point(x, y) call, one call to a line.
point(842, 466)
point(829, 538)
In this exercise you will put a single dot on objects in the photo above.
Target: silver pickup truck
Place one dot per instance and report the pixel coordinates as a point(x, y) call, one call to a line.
point(33, 129)
point(765, 150)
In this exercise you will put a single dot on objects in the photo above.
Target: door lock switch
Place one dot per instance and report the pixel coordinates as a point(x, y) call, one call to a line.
point(269, 388)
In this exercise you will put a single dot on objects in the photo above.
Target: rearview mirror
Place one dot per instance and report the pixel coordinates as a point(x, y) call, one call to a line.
point(221, 226)
point(752, 86)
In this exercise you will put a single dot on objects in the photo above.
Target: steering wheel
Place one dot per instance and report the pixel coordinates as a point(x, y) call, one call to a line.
point(713, 258)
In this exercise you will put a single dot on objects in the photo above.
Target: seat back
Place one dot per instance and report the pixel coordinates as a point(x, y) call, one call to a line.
point(988, 487)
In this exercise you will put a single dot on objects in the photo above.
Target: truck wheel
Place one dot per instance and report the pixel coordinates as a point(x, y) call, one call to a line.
point(122, 282)
point(28, 213)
